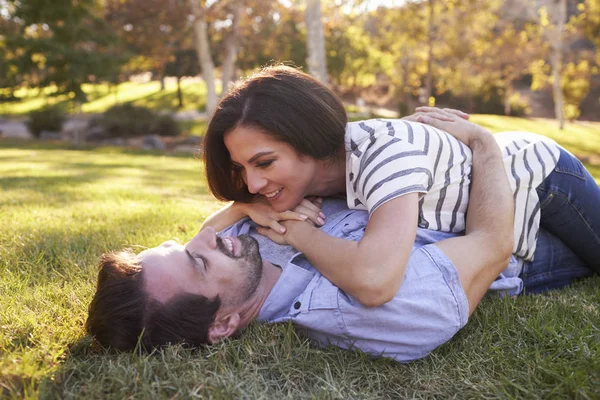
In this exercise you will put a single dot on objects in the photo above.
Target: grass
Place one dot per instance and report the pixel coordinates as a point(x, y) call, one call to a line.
point(102, 96)
point(61, 207)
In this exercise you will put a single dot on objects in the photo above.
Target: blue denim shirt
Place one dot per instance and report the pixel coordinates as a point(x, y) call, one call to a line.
point(428, 310)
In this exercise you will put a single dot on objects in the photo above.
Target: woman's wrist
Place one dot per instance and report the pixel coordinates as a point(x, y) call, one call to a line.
point(239, 209)
point(297, 231)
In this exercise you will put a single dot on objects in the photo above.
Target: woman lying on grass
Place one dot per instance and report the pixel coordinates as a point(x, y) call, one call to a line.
point(281, 136)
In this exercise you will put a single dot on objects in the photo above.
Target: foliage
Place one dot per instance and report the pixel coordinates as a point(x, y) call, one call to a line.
point(127, 120)
point(165, 125)
point(46, 119)
point(519, 106)
point(152, 29)
point(63, 43)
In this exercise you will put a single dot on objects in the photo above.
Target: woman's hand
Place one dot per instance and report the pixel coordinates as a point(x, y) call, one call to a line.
point(452, 121)
point(263, 214)
point(310, 211)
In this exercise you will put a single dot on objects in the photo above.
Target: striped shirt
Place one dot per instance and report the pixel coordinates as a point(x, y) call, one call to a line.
point(389, 158)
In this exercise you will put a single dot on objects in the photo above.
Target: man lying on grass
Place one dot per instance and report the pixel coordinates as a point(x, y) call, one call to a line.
point(215, 285)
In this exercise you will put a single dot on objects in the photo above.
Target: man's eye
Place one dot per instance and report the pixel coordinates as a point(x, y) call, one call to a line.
point(201, 261)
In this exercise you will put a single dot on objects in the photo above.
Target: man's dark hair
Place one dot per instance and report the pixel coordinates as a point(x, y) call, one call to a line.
point(121, 310)
point(286, 104)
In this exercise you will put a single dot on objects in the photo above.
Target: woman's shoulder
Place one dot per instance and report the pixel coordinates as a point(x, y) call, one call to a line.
point(358, 132)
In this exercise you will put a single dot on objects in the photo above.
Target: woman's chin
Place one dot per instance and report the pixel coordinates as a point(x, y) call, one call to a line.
point(282, 204)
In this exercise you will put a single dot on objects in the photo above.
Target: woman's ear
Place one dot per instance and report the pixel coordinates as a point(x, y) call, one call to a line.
point(223, 327)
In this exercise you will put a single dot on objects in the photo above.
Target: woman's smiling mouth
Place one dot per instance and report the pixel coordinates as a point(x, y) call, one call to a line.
point(273, 194)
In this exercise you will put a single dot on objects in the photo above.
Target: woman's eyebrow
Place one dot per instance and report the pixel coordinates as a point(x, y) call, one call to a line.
point(258, 155)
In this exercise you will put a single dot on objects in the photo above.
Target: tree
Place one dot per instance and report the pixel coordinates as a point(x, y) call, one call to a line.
point(185, 63)
point(65, 43)
point(315, 42)
point(553, 17)
point(153, 30)
point(231, 45)
point(199, 12)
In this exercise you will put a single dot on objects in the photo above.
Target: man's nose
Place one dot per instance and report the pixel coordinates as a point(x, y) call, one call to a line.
point(255, 182)
point(207, 237)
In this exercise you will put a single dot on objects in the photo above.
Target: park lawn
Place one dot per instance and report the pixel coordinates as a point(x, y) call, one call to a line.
point(102, 96)
point(62, 207)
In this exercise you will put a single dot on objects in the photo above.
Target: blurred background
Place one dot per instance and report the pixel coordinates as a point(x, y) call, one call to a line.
point(104, 70)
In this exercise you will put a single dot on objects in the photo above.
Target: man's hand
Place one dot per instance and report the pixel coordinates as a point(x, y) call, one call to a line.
point(436, 113)
point(453, 122)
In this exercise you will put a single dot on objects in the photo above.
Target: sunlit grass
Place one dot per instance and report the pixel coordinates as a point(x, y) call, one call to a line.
point(103, 96)
point(61, 207)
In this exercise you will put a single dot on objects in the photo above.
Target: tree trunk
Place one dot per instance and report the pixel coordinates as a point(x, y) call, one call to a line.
point(231, 47)
point(179, 94)
point(203, 52)
point(430, 40)
point(315, 41)
point(557, 53)
point(162, 80)
point(507, 94)
point(553, 31)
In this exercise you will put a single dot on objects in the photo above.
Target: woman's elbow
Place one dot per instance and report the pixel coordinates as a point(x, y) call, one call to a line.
point(376, 294)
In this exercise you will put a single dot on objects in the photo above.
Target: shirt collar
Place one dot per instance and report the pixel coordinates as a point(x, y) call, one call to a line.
point(291, 284)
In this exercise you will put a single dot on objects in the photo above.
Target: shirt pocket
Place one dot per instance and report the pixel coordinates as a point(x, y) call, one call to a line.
point(321, 315)
point(353, 229)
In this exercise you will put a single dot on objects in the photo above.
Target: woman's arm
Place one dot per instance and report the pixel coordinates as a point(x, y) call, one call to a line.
point(263, 214)
point(371, 270)
point(226, 216)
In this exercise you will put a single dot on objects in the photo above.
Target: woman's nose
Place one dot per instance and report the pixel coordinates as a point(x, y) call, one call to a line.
point(255, 182)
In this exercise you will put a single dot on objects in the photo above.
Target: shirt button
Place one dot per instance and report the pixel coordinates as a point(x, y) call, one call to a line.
point(297, 305)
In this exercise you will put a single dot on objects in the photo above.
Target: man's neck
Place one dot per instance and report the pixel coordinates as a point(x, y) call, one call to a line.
point(270, 275)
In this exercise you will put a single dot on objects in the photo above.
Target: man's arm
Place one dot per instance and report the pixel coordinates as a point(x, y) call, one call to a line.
point(484, 252)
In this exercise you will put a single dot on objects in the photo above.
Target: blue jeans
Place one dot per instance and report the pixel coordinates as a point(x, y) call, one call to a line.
point(554, 266)
point(568, 245)
point(570, 208)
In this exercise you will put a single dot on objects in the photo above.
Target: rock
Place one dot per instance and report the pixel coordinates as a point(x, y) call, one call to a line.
point(94, 134)
point(49, 135)
point(153, 142)
point(75, 130)
point(193, 140)
point(185, 148)
point(14, 129)
point(114, 142)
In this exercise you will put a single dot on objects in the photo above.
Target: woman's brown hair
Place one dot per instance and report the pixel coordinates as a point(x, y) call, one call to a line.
point(283, 102)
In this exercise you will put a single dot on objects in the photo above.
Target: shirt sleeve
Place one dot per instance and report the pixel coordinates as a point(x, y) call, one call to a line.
point(385, 167)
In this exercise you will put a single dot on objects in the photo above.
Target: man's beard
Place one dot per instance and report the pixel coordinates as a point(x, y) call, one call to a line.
point(251, 262)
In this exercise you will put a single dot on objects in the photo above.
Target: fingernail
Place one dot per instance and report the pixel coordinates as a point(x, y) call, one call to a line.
point(320, 221)
point(322, 215)
point(282, 230)
point(303, 217)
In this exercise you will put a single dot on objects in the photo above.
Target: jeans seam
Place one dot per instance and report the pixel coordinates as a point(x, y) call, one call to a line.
point(572, 173)
point(558, 194)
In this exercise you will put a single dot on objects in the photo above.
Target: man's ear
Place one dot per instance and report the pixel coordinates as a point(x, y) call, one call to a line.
point(223, 327)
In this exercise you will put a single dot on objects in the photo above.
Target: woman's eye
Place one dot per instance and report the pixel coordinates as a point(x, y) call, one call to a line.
point(264, 164)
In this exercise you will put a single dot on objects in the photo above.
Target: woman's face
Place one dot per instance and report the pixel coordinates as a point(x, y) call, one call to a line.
point(271, 168)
